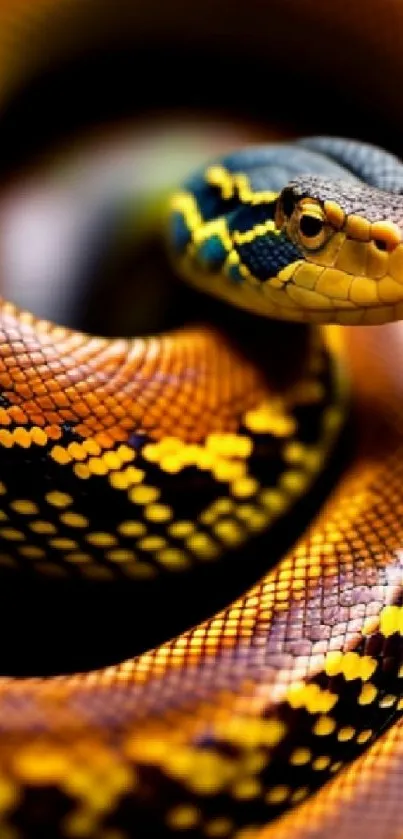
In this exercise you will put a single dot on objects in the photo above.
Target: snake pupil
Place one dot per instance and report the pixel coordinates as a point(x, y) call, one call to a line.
point(310, 226)
point(380, 244)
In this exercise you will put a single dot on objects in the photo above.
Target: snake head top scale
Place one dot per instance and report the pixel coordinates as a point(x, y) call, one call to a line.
point(327, 247)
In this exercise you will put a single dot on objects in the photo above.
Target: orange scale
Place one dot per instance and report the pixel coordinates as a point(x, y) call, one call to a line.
point(19, 349)
point(196, 411)
point(65, 373)
point(18, 415)
point(90, 399)
point(53, 417)
point(108, 421)
point(148, 370)
point(175, 412)
point(83, 430)
point(187, 421)
point(138, 410)
point(203, 428)
point(92, 422)
point(118, 434)
point(118, 411)
point(162, 406)
point(82, 387)
point(169, 426)
point(187, 388)
point(151, 419)
point(247, 624)
point(43, 400)
point(140, 392)
point(155, 384)
point(100, 410)
point(10, 362)
point(46, 372)
point(31, 405)
point(37, 419)
point(12, 397)
point(5, 418)
point(19, 377)
point(164, 369)
point(67, 415)
point(80, 409)
point(126, 399)
point(53, 432)
point(127, 423)
point(193, 436)
point(24, 390)
point(6, 380)
point(58, 395)
point(169, 391)
point(37, 359)
point(198, 395)
point(103, 439)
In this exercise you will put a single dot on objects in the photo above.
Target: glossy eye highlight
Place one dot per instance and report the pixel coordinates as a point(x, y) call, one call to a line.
point(304, 220)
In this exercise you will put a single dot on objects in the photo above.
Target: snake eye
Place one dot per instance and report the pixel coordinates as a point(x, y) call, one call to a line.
point(310, 226)
point(311, 229)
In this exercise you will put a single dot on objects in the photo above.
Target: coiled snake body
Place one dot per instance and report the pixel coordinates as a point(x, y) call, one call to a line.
point(129, 464)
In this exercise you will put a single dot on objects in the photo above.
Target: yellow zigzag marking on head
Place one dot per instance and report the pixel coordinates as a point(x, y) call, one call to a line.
point(231, 183)
point(185, 203)
point(247, 194)
point(215, 227)
point(259, 230)
point(223, 179)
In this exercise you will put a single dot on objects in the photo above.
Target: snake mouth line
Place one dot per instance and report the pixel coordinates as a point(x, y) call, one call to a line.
point(336, 304)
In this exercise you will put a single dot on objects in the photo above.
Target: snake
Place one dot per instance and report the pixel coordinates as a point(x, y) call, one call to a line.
point(137, 473)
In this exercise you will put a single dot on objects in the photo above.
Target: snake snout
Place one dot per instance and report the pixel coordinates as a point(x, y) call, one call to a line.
point(351, 241)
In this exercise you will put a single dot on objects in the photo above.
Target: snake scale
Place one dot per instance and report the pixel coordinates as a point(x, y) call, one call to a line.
point(131, 469)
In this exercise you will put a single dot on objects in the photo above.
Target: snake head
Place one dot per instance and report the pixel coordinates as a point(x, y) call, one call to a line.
point(350, 240)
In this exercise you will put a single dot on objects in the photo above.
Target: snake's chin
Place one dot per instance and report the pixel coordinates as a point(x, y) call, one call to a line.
point(292, 301)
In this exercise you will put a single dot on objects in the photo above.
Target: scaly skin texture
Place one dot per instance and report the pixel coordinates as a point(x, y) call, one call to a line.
point(242, 717)
point(232, 224)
